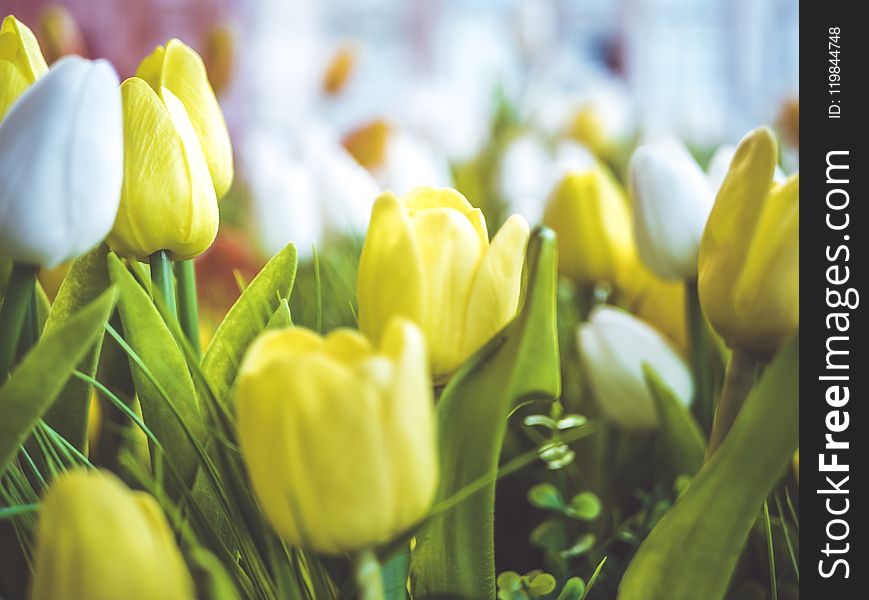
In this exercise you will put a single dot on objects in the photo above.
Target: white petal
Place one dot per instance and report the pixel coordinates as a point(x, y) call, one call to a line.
point(62, 163)
point(614, 346)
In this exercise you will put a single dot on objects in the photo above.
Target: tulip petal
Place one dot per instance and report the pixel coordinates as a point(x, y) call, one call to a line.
point(423, 198)
point(180, 70)
point(450, 251)
point(411, 416)
point(740, 200)
point(167, 200)
point(62, 164)
point(390, 274)
point(347, 346)
point(772, 262)
point(495, 295)
point(19, 45)
point(14, 84)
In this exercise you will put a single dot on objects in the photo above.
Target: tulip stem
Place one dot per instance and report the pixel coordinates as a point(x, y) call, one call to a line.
point(698, 347)
point(14, 311)
point(368, 576)
point(188, 305)
point(738, 381)
point(163, 280)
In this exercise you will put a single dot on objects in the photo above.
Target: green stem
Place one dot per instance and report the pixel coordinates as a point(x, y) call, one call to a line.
point(738, 381)
point(188, 312)
point(14, 311)
point(368, 577)
point(163, 280)
point(698, 348)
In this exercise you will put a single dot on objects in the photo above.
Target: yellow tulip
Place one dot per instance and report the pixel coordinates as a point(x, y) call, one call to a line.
point(655, 300)
point(589, 212)
point(749, 254)
point(99, 540)
point(177, 158)
point(339, 438)
point(427, 258)
point(21, 61)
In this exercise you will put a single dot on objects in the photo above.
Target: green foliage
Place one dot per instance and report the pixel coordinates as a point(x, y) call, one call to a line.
point(40, 377)
point(246, 319)
point(85, 281)
point(456, 552)
point(677, 560)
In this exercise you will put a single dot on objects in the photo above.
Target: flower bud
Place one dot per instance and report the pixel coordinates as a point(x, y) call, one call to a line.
point(613, 347)
point(62, 164)
point(427, 257)
point(671, 199)
point(60, 34)
point(749, 255)
point(589, 212)
point(21, 61)
point(656, 301)
point(177, 159)
point(99, 540)
point(339, 437)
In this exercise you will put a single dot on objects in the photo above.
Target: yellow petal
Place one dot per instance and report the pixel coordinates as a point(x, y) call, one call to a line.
point(766, 294)
point(180, 70)
point(347, 346)
point(18, 45)
point(167, 199)
point(390, 277)
point(450, 251)
point(410, 420)
point(495, 295)
point(13, 85)
point(423, 198)
point(740, 200)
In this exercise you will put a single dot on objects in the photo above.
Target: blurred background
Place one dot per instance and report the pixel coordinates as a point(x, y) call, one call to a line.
point(331, 101)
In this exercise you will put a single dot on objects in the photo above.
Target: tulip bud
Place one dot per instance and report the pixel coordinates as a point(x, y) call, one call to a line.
point(339, 438)
point(427, 257)
point(177, 160)
point(659, 302)
point(99, 540)
point(671, 199)
point(60, 34)
point(339, 70)
point(613, 347)
point(749, 255)
point(61, 165)
point(590, 214)
point(21, 61)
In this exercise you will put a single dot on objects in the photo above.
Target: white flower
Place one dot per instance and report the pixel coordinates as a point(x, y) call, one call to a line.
point(672, 199)
point(61, 163)
point(613, 347)
point(306, 197)
point(409, 163)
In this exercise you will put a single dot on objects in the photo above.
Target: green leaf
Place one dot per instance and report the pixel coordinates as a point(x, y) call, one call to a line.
point(583, 544)
point(39, 378)
point(680, 440)
point(539, 584)
point(693, 550)
point(148, 336)
point(394, 574)
point(281, 318)
point(546, 496)
point(247, 318)
point(85, 281)
point(585, 506)
point(456, 553)
point(573, 589)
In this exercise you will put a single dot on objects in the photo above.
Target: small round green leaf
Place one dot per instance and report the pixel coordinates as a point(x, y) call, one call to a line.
point(546, 496)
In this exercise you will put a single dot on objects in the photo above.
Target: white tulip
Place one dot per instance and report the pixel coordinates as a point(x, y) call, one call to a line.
point(411, 162)
point(61, 164)
point(672, 200)
point(613, 347)
point(306, 197)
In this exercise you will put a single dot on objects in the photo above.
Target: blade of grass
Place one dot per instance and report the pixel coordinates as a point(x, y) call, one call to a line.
point(773, 586)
